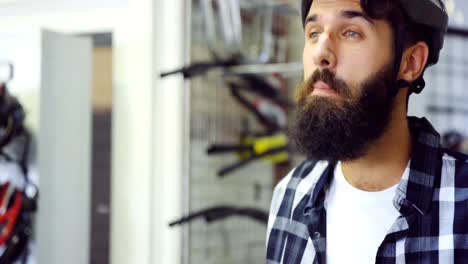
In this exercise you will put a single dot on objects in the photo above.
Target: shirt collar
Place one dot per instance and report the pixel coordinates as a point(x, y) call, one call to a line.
point(415, 189)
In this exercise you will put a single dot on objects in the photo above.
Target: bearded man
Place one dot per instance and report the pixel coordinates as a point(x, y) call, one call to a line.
point(376, 186)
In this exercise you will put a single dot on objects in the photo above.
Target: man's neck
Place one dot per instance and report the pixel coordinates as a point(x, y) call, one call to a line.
point(385, 162)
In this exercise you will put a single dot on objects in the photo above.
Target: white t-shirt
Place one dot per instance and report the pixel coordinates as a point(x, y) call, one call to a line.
point(357, 221)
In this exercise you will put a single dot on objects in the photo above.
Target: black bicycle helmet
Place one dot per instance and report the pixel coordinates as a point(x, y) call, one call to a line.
point(429, 13)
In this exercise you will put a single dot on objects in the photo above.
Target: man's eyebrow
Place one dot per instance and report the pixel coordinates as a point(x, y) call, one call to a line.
point(309, 19)
point(353, 14)
point(348, 14)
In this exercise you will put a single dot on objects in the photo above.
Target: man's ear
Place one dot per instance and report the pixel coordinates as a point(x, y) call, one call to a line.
point(414, 61)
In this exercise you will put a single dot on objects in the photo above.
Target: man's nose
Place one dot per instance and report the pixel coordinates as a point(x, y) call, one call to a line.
point(325, 52)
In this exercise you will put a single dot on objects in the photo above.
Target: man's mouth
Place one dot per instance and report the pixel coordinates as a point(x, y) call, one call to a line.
point(322, 88)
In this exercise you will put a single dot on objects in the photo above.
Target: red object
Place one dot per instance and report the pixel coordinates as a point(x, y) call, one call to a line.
point(9, 217)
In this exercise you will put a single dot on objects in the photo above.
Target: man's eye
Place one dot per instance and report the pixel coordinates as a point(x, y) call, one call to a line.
point(351, 34)
point(314, 35)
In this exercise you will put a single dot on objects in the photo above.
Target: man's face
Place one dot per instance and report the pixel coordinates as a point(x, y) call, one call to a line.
point(343, 103)
point(341, 38)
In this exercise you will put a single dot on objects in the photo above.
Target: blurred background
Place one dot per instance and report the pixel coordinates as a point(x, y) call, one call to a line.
point(154, 131)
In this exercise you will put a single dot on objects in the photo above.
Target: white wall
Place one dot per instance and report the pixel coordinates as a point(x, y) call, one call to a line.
point(171, 140)
point(15, 8)
point(147, 118)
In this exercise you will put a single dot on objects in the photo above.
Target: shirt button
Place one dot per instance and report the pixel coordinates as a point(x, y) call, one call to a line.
point(316, 235)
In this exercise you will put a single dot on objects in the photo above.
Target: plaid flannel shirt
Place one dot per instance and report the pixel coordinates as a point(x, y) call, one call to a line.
point(432, 201)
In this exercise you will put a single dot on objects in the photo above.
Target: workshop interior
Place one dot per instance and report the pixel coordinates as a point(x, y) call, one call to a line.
point(154, 131)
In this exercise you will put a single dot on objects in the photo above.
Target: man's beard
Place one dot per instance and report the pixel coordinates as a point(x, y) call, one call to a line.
point(341, 128)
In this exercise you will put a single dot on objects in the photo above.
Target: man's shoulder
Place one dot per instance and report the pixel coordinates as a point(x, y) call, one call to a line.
point(286, 223)
point(455, 170)
point(302, 178)
point(294, 187)
point(455, 161)
point(452, 188)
